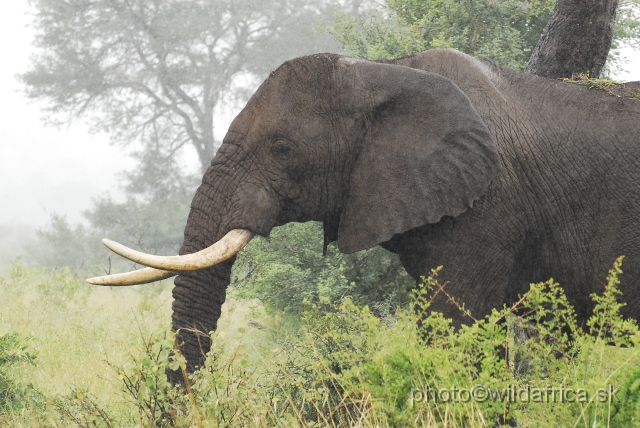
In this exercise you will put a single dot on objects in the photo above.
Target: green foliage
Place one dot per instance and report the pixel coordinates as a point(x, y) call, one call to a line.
point(606, 323)
point(503, 32)
point(627, 410)
point(146, 381)
point(390, 367)
point(14, 395)
point(289, 274)
point(348, 367)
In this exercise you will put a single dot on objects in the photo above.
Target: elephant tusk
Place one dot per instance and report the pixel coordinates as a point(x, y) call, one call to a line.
point(227, 247)
point(142, 276)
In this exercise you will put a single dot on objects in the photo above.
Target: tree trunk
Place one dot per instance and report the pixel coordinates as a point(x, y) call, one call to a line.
point(576, 40)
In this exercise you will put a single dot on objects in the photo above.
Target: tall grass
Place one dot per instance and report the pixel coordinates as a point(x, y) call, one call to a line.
point(101, 356)
point(80, 334)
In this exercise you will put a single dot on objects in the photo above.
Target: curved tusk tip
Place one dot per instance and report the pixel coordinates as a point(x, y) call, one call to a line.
point(106, 241)
point(142, 276)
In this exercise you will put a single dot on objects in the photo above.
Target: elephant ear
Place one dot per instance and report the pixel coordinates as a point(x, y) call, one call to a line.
point(425, 154)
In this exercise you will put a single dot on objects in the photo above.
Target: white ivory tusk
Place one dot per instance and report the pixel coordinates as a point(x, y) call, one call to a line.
point(225, 248)
point(142, 276)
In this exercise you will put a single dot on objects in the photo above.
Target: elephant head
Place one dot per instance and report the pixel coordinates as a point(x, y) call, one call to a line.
point(369, 149)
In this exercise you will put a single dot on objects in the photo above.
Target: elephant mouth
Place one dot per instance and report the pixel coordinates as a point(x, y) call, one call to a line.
point(162, 267)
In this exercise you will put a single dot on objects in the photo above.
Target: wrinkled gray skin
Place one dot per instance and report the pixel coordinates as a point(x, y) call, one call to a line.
point(502, 177)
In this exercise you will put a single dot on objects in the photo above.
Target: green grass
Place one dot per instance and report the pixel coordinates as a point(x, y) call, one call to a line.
point(101, 355)
point(81, 332)
point(75, 329)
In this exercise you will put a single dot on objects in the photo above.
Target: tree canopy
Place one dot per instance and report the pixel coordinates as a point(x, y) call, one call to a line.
point(500, 31)
point(504, 32)
point(154, 75)
point(154, 72)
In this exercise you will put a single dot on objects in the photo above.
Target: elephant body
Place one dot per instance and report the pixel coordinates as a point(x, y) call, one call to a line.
point(564, 204)
point(501, 177)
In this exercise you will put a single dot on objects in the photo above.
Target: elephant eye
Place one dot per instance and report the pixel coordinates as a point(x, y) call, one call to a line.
point(281, 149)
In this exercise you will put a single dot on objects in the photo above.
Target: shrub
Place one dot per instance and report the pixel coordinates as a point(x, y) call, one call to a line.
point(288, 272)
point(14, 395)
point(349, 367)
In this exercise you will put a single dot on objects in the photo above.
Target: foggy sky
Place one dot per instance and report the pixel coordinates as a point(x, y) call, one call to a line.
point(44, 170)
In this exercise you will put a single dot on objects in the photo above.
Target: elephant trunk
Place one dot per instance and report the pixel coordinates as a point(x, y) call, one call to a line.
point(226, 212)
point(198, 298)
point(199, 294)
point(219, 209)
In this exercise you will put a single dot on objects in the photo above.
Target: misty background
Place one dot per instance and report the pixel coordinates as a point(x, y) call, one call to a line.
point(46, 170)
point(61, 172)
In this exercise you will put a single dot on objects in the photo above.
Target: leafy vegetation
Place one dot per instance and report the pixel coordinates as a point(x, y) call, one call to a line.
point(336, 368)
point(14, 395)
point(503, 32)
point(289, 274)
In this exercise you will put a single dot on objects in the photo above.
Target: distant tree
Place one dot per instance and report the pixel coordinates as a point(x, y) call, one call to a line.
point(156, 71)
point(155, 75)
point(151, 217)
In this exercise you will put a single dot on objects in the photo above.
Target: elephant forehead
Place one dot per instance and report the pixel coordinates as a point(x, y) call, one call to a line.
point(295, 124)
point(307, 127)
point(274, 111)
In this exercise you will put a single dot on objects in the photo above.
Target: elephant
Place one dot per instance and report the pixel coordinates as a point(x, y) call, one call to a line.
point(501, 177)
